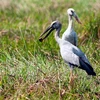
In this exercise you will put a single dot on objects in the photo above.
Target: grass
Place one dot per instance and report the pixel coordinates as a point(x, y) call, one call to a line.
point(30, 70)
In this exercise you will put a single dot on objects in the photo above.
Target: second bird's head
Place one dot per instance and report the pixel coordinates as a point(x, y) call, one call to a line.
point(71, 12)
point(54, 25)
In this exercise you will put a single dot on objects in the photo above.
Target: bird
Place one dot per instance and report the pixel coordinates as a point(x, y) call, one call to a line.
point(70, 53)
point(70, 35)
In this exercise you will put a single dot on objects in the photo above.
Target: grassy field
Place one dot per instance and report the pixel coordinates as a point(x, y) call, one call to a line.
point(30, 70)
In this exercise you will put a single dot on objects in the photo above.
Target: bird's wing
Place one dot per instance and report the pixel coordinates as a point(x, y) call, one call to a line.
point(87, 67)
point(70, 36)
point(79, 53)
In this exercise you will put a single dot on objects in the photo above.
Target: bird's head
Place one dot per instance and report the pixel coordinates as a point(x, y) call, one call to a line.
point(54, 25)
point(71, 12)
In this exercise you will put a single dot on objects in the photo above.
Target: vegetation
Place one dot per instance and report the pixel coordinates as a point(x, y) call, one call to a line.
point(30, 70)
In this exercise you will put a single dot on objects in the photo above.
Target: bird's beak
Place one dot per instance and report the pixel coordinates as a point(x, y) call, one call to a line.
point(77, 19)
point(49, 30)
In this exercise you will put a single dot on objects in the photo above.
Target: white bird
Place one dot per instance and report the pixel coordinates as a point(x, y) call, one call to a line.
point(70, 53)
point(70, 35)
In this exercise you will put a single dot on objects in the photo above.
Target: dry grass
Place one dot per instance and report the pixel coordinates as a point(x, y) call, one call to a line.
point(4, 4)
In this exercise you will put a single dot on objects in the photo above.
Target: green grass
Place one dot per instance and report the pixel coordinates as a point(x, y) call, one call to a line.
point(30, 70)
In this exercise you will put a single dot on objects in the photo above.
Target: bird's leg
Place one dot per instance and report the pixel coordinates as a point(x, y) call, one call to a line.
point(71, 80)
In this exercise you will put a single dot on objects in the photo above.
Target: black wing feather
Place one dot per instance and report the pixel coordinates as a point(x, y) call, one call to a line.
point(87, 67)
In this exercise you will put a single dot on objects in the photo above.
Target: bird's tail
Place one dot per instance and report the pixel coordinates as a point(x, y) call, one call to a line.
point(87, 67)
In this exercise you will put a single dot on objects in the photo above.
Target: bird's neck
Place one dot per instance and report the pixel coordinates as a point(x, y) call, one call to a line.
point(70, 26)
point(57, 36)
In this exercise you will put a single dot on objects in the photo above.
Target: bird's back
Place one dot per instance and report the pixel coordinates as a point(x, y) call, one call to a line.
point(71, 36)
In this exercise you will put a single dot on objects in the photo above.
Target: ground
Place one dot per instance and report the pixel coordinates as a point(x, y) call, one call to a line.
point(30, 70)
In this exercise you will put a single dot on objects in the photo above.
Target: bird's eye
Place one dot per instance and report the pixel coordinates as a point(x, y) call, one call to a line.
point(72, 11)
point(54, 25)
